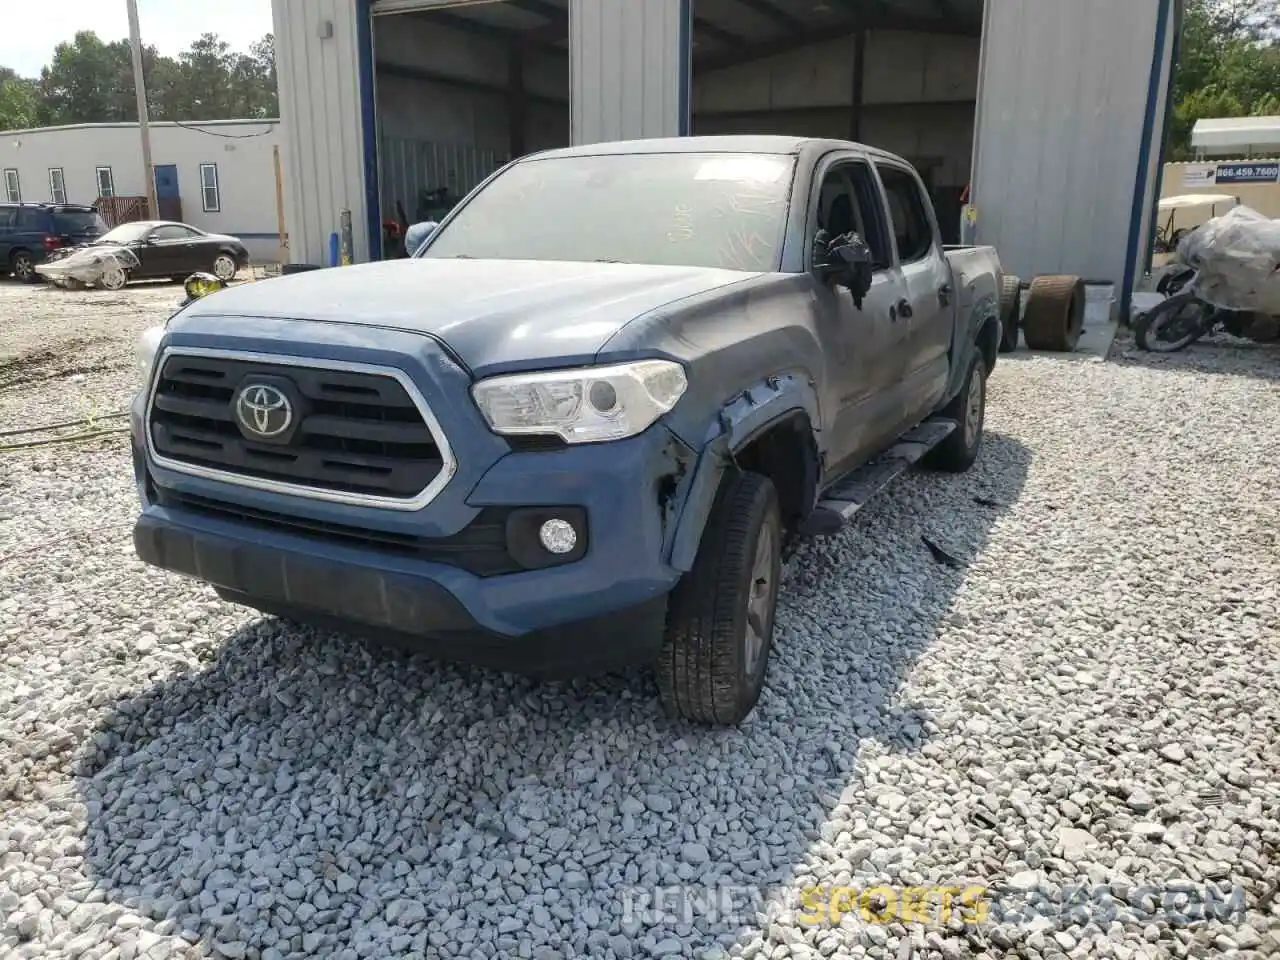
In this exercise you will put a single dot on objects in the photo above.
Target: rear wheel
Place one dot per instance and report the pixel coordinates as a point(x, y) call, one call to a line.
point(23, 266)
point(224, 267)
point(719, 630)
point(1010, 313)
point(968, 409)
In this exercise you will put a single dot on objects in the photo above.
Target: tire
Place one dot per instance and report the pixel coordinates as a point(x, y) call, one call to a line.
point(1150, 330)
point(1055, 314)
point(113, 278)
point(224, 267)
point(1010, 311)
point(957, 453)
point(712, 665)
point(23, 267)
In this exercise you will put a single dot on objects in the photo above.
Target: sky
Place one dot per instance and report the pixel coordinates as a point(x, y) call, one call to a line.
point(32, 30)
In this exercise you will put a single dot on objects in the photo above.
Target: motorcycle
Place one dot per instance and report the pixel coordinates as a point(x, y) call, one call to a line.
point(1183, 317)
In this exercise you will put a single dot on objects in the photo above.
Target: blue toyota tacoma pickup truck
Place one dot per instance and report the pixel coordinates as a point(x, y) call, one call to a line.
point(576, 429)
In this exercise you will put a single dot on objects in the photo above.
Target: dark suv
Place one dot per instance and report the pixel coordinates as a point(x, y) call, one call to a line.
point(29, 231)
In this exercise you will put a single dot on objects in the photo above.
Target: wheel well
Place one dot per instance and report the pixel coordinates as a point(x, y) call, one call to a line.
point(989, 341)
point(13, 254)
point(786, 454)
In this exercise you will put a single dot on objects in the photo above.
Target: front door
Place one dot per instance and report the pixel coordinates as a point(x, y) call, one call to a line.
point(172, 250)
point(168, 194)
point(864, 342)
point(926, 280)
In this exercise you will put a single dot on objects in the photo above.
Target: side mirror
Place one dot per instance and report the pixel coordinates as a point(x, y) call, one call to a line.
point(201, 285)
point(845, 260)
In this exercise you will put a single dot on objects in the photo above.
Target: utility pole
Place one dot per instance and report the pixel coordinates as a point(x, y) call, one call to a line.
point(140, 88)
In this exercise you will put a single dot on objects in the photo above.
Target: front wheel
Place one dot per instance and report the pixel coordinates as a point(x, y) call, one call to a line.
point(1173, 324)
point(720, 617)
point(224, 267)
point(114, 277)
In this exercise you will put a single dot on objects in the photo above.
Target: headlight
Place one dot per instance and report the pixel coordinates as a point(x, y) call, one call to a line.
point(582, 406)
point(147, 347)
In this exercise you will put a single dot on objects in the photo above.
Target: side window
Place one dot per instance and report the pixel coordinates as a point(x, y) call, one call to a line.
point(7, 216)
point(210, 192)
point(172, 233)
point(907, 214)
point(848, 202)
point(29, 219)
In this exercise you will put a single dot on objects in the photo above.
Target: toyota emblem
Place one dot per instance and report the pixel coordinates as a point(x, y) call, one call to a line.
point(263, 410)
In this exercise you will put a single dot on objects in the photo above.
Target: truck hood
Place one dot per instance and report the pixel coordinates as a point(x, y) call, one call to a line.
point(494, 314)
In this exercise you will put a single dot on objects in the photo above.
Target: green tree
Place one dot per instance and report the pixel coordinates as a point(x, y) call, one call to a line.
point(1227, 67)
point(17, 101)
point(88, 81)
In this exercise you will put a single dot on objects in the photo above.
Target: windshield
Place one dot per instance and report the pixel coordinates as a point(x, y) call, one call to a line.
point(79, 221)
point(672, 209)
point(126, 233)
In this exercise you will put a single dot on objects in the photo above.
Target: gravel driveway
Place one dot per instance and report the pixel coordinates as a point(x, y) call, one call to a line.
point(1090, 697)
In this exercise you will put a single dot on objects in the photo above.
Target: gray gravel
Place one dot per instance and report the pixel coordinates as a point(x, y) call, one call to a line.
point(1093, 697)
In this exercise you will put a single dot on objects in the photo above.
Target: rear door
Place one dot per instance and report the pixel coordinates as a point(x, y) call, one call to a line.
point(861, 343)
point(925, 312)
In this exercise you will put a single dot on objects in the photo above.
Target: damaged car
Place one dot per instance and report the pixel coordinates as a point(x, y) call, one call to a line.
point(147, 250)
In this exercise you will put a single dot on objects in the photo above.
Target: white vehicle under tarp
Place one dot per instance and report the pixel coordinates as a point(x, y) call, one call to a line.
point(1237, 256)
point(97, 265)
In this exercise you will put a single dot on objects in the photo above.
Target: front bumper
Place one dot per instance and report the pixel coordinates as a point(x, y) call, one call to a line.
point(602, 609)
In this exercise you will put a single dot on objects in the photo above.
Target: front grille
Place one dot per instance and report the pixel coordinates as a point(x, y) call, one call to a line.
point(479, 548)
point(358, 433)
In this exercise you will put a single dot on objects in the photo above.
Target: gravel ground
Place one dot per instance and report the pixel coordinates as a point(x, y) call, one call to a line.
point(1091, 696)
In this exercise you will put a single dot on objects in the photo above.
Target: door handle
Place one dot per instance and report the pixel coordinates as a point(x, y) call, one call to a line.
point(904, 308)
point(944, 294)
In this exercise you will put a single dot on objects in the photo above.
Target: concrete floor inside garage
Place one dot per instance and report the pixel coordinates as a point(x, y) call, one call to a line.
point(463, 89)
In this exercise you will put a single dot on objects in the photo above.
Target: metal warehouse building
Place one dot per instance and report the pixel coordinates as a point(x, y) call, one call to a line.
point(1052, 111)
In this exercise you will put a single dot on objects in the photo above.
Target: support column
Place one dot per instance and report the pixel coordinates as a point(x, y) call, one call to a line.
point(630, 68)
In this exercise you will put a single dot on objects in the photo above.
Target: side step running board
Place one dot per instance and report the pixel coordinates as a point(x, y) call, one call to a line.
point(847, 495)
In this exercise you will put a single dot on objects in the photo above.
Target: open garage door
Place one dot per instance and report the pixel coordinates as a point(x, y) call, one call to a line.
point(462, 88)
point(901, 75)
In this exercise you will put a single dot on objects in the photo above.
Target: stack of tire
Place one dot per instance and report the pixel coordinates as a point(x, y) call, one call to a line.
point(1054, 314)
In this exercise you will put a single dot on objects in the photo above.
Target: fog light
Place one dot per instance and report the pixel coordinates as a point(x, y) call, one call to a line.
point(558, 536)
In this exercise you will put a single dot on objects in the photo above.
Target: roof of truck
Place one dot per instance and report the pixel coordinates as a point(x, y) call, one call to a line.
point(756, 143)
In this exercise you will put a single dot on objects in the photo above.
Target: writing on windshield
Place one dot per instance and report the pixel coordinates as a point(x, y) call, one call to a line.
point(674, 209)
